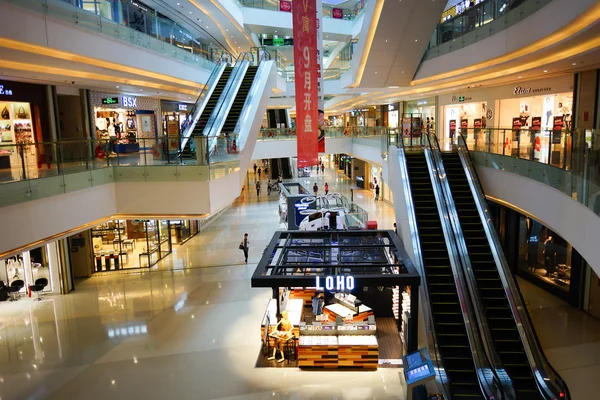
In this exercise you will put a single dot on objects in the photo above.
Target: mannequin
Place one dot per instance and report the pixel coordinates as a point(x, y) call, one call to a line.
point(282, 333)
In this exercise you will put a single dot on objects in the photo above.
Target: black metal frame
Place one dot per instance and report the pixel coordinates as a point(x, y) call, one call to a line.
point(390, 265)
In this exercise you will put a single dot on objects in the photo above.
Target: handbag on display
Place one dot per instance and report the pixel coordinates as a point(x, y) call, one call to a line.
point(5, 113)
point(22, 114)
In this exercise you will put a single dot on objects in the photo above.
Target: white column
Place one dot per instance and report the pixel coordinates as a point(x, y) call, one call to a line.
point(54, 267)
point(27, 269)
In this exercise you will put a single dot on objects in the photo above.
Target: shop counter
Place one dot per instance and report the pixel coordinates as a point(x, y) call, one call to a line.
point(339, 310)
point(124, 148)
point(333, 347)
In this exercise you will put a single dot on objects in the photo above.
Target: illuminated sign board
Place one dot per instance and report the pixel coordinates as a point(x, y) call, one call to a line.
point(130, 102)
point(337, 283)
point(110, 100)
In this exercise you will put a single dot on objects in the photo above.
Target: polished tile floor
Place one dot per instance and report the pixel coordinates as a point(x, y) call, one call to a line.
point(189, 328)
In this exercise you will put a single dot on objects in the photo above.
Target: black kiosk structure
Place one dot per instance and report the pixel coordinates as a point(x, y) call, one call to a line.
point(361, 276)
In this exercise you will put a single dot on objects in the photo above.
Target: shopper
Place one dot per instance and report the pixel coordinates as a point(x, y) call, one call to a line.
point(326, 188)
point(255, 167)
point(395, 229)
point(279, 179)
point(244, 246)
point(268, 187)
point(259, 172)
point(257, 188)
point(316, 189)
point(323, 168)
point(376, 192)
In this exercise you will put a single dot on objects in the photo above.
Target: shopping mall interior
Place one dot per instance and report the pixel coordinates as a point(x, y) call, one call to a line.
point(325, 199)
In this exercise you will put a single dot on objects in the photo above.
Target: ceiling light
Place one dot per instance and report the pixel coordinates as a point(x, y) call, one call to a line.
point(117, 86)
point(574, 64)
point(386, 40)
point(226, 30)
point(545, 70)
point(415, 40)
point(190, 12)
point(206, 26)
point(520, 76)
point(275, 31)
point(178, 4)
point(375, 72)
point(141, 90)
point(393, 87)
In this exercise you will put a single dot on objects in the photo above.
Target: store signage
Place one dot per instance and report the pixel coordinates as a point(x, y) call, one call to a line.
point(337, 13)
point(522, 90)
point(391, 107)
point(182, 107)
point(337, 283)
point(129, 101)
point(278, 41)
point(460, 99)
point(422, 102)
point(5, 92)
point(306, 80)
point(110, 100)
point(285, 6)
point(489, 114)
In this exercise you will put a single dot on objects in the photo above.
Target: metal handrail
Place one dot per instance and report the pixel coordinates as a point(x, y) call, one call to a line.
point(436, 358)
point(196, 111)
point(550, 384)
point(500, 376)
point(488, 381)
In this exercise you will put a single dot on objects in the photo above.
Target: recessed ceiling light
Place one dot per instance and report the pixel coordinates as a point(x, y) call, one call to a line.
point(226, 30)
point(190, 12)
point(454, 89)
point(141, 90)
point(402, 71)
point(206, 26)
point(375, 72)
point(386, 40)
point(545, 70)
point(415, 40)
point(520, 76)
point(574, 64)
point(117, 86)
point(393, 87)
point(178, 4)
point(275, 31)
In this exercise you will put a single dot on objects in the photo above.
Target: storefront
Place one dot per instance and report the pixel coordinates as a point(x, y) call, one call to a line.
point(424, 110)
point(184, 230)
point(24, 127)
point(320, 319)
point(538, 254)
point(120, 245)
point(174, 115)
point(128, 122)
point(39, 267)
point(391, 115)
point(540, 106)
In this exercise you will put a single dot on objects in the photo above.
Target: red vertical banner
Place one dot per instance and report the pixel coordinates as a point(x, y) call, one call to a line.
point(305, 74)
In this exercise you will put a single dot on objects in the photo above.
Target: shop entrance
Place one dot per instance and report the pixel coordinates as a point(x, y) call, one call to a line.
point(341, 300)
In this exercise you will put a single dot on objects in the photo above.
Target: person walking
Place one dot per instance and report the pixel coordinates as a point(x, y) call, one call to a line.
point(255, 166)
point(245, 247)
point(323, 168)
point(268, 187)
point(259, 172)
point(257, 188)
point(326, 188)
point(315, 189)
point(376, 192)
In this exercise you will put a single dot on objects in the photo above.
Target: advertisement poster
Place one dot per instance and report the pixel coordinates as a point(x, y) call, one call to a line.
point(536, 130)
point(304, 17)
point(464, 123)
point(452, 127)
point(417, 126)
point(337, 13)
point(557, 127)
point(406, 126)
point(320, 74)
point(285, 6)
point(173, 135)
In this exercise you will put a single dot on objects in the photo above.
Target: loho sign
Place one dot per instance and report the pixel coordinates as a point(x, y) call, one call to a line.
point(337, 283)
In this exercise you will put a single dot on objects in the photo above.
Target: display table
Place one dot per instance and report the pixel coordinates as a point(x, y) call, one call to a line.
point(329, 346)
point(339, 310)
point(123, 148)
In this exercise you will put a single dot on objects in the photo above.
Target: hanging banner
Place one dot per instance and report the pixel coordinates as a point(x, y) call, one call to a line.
point(285, 6)
point(337, 13)
point(305, 74)
point(320, 73)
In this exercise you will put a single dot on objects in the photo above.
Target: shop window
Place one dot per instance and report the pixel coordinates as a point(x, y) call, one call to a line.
point(544, 254)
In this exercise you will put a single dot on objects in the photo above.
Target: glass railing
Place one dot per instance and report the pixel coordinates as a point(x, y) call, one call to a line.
point(330, 132)
point(30, 161)
point(568, 161)
point(127, 21)
point(328, 11)
point(479, 22)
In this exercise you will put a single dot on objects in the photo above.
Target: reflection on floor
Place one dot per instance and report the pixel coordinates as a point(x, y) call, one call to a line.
point(186, 329)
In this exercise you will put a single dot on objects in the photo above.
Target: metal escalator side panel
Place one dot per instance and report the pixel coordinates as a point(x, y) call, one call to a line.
point(498, 371)
point(424, 297)
point(549, 383)
point(200, 104)
point(213, 127)
point(483, 368)
point(256, 102)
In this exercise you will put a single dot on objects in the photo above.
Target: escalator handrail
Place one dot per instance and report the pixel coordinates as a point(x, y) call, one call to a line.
point(550, 384)
point(436, 357)
point(212, 130)
point(498, 370)
point(488, 381)
point(198, 107)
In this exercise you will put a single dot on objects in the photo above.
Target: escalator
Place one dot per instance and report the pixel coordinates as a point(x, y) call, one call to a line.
point(240, 99)
point(286, 169)
point(274, 168)
point(450, 330)
point(208, 109)
point(504, 333)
